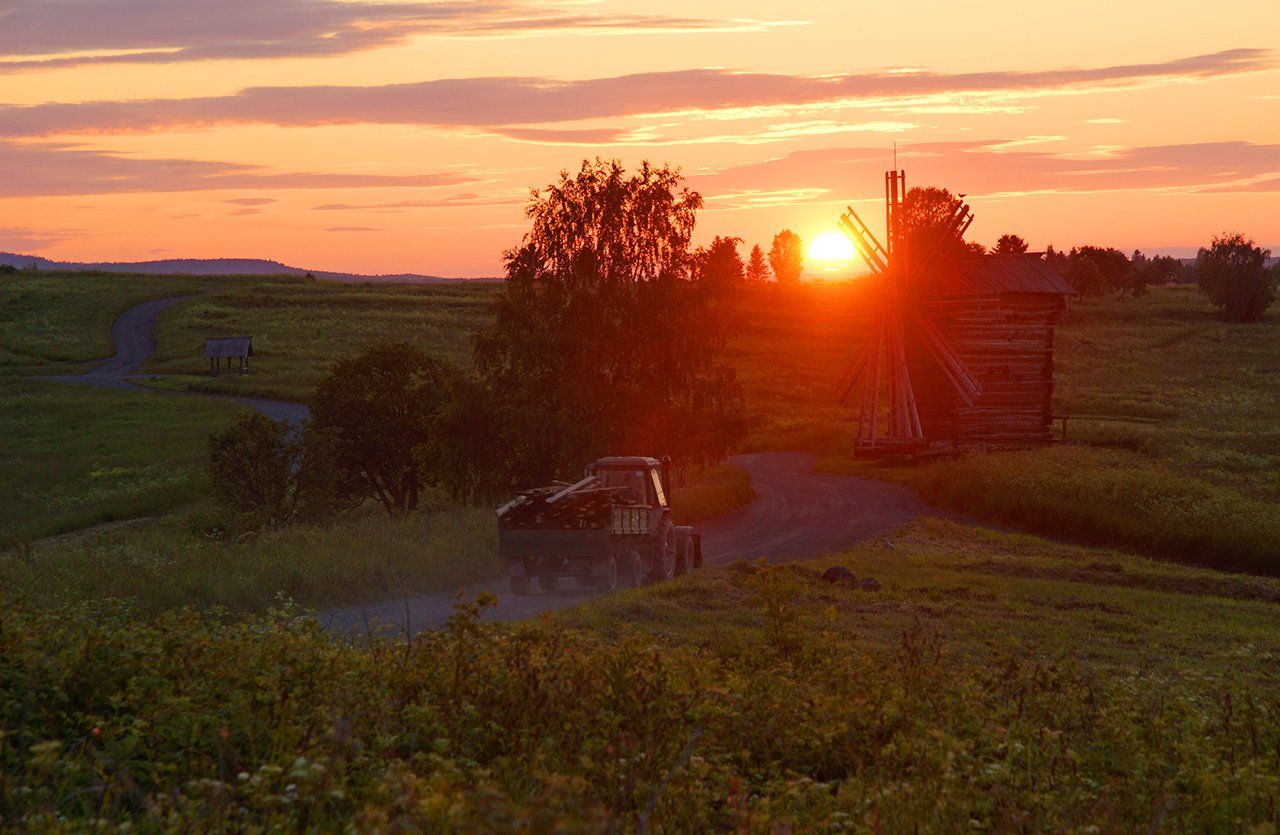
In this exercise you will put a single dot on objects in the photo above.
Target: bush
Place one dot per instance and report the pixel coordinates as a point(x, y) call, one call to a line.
point(399, 422)
point(710, 493)
point(272, 471)
point(1233, 274)
point(194, 722)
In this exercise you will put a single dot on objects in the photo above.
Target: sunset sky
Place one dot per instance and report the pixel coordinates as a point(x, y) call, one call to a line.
point(404, 136)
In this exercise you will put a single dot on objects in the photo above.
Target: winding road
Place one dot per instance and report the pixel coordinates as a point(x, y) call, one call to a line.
point(131, 337)
point(797, 513)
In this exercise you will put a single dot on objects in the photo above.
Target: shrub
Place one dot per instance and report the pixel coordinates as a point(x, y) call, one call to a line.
point(195, 722)
point(393, 429)
point(272, 471)
point(1232, 273)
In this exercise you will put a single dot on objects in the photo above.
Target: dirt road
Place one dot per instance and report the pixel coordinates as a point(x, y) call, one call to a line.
point(131, 338)
point(798, 513)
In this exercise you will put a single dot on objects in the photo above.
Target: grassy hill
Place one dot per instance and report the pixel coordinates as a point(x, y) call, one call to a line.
point(992, 683)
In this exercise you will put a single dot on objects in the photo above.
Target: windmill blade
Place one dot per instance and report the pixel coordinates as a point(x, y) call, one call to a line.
point(957, 372)
point(906, 410)
point(863, 241)
point(869, 410)
point(852, 217)
point(959, 222)
point(858, 369)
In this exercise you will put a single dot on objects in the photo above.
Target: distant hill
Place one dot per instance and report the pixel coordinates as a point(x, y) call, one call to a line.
point(215, 266)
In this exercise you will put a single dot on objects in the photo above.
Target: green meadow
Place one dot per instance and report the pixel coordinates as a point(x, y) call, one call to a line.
point(993, 682)
point(986, 681)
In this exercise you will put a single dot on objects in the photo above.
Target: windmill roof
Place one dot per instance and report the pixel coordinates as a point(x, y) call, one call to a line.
point(983, 274)
point(221, 347)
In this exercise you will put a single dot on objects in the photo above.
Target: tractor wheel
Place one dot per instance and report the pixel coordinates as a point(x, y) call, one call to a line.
point(630, 570)
point(547, 583)
point(608, 581)
point(665, 566)
point(684, 562)
point(520, 585)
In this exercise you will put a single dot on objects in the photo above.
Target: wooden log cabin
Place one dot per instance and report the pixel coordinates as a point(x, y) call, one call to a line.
point(999, 313)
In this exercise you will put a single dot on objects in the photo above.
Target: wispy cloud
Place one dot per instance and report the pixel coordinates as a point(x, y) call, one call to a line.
point(23, 240)
point(251, 201)
point(532, 101)
point(62, 169)
point(452, 201)
point(58, 33)
point(990, 168)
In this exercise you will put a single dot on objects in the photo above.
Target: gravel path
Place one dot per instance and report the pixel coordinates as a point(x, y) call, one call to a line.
point(134, 344)
point(798, 513)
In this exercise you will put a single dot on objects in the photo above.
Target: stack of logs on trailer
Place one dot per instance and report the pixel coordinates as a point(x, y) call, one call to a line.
point(588, 507)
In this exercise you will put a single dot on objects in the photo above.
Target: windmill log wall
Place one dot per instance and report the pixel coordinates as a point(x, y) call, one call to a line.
point(1006, 341)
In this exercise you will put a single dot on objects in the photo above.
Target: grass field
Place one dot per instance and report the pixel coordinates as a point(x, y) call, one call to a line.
point(1174, 437)
point(74, 456)
point(65, 318)
point(186, 560)
point(300, 328)
point(993, 683)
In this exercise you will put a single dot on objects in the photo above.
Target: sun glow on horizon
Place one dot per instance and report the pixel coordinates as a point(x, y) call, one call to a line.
point(831, 248)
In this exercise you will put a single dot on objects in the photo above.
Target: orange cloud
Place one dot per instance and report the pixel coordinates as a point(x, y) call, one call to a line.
point(488, 102)
point(54, 169)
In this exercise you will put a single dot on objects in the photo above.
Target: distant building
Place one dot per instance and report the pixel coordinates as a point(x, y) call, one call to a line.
point(238, 348)
point(959, 351)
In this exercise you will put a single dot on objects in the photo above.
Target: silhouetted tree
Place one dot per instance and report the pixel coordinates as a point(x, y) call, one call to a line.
point(757, 268)
point(1232, 272)
point(786, 256)
point(1056, 258)
point(927, 211)
point(1084, 276)
point(633, 227)
point(272, 471)
point(1010, 245)
point(720, 262)
point(599, 342)
point(1112, 265)
point(384, 410)
point(1162, 269)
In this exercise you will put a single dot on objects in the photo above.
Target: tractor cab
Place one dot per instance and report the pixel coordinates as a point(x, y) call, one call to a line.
point(642, 481)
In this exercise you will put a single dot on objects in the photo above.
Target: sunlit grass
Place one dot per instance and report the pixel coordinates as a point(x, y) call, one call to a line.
point(186, 561)
point(300, 328)
point(74, 456)
point(992, 681)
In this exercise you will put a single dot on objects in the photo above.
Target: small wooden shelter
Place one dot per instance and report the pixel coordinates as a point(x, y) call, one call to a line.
point(218, 348)
point(959, 352)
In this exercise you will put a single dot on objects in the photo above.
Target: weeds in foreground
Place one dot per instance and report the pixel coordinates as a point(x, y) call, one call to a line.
point(197, 721)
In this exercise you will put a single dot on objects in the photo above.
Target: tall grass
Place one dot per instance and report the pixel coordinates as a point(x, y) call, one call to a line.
point(74, 456)
point(169, 564)
point(1110, 496)
point(749, 701)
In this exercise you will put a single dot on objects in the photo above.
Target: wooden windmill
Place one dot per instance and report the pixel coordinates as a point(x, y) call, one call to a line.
point(904, 329)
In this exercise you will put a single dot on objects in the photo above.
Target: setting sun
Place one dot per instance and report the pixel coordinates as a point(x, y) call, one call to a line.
point(831, 247)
